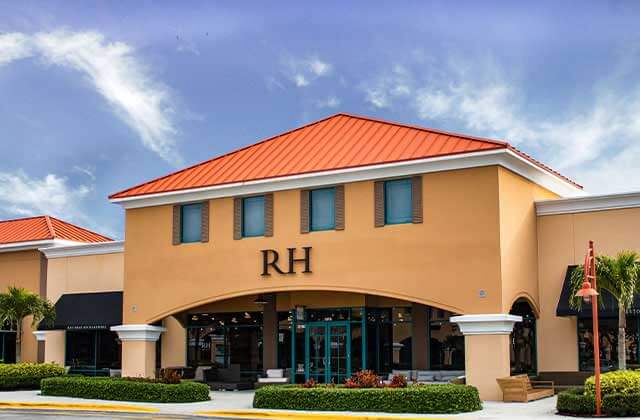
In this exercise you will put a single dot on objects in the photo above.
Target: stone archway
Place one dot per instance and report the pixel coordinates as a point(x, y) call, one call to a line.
point(523, 346)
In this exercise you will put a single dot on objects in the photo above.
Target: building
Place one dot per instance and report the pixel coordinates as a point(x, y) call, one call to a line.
point(355, 243)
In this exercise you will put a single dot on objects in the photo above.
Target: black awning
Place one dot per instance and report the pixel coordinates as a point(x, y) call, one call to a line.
point(608, 306)
point(79, 311)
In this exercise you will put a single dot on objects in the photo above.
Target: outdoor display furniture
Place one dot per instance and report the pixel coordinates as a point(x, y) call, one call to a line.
point(520, 388)
point(273, 377)
point(430, 376)
point(564, 380)
point(228, 379)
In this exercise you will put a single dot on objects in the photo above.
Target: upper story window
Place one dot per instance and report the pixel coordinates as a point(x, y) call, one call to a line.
point(322, 209)
point(191, 223)
point(398, 201)
point(253, 216)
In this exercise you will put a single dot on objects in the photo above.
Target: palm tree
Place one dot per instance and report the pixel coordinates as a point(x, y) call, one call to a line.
point(19, 303)
point(620, 276)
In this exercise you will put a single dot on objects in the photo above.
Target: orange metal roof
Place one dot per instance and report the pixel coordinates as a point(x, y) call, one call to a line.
point(340, 141)
point(42, 228)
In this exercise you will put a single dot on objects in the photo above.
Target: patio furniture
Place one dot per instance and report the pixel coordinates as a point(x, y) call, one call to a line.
point(520, 388)
point(273, 377)
point(439, 376)
point(228, 379)
point(564, 380)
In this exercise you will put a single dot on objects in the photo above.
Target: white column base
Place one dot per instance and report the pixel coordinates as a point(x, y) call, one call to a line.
point(40, 335)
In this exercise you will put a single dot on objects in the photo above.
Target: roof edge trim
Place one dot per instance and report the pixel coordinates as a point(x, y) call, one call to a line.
point(599, 202)
point(502, 157)
point(39, 245)
point(78, 250)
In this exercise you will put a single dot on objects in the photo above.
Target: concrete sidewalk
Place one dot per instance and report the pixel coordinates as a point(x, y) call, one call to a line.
point(239, 405)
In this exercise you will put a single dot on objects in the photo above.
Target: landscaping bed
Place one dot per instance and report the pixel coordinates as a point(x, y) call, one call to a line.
point(620, 396)
point(27, 375)
point(446, 398)
point(125, 389)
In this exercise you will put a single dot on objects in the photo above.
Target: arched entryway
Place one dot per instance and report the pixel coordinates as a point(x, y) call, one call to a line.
point(523, 339)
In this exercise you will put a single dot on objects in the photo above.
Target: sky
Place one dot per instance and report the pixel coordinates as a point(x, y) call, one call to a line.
point(98, 96)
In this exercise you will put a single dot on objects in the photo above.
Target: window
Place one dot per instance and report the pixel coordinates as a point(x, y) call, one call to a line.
point(322, 209)
point(397, 201)
point(253, 216)
point(191, 225)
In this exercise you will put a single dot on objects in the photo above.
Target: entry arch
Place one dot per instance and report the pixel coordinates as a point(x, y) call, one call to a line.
point(523, 344)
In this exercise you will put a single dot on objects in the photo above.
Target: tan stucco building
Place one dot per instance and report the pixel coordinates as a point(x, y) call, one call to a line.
point(347, 244)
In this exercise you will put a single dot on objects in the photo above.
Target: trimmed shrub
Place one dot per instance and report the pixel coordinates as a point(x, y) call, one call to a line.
point(125, 389)
point(621, 405)
point(398, 381)
point(446, 398)
point(27, 375)
point(574, 401)
point(616, 382)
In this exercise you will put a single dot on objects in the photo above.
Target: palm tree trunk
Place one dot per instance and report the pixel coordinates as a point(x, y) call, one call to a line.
point(19, 341)
point(622, 338)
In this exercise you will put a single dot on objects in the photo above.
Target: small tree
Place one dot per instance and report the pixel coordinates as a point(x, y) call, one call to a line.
point(16, 305)
point(620, 276)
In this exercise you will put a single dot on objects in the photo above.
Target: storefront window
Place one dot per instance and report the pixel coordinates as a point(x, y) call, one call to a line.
point(7, 346)
point(389, 339)
point(88, 351)
point(446, 342)
point(285, 320)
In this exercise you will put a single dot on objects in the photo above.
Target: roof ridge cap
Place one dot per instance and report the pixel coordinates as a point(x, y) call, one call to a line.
point(108, 239)
point(52, 230)
point(204, 162)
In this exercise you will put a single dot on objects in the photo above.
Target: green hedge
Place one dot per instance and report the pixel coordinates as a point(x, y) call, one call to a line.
point(573, 401)
point(412, 399)
point(27, 375)
point(616, 382)
point(124, 389)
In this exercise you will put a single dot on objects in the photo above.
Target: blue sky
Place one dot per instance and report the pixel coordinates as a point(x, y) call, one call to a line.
point(99, 96)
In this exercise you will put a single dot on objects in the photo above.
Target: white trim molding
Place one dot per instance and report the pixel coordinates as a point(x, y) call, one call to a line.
point(138, 332)
point(501, 157)
point(77, 250)
point(40, 335)
point(27, 245)
point(588, 203)
point(486, 324)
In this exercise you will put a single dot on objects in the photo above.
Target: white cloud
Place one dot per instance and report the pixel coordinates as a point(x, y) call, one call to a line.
point(382, 91)
point(50, 195)
point(303, 71)
point(330, 101)
point(114, 71)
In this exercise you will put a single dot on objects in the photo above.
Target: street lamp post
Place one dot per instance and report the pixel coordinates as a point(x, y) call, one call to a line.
point(589, 293)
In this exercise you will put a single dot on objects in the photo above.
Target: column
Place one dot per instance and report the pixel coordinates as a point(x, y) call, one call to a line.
point(138, 349)
point(487, 355)
point(174, 347)
point(53, 344)
point(270, 333)
point(419, 348)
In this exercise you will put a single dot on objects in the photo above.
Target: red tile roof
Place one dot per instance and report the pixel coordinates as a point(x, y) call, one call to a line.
point(338, 142)
point(42, 228)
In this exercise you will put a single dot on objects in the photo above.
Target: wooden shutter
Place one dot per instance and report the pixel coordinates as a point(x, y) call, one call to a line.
point(304, 211)
point(339, 210)
point(237, 218)
point(177, 228)
point(204, 222)
point(416, 198)
point(268, 214)
point(378, 205)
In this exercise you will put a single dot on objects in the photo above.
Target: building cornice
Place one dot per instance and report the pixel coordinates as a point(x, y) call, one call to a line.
point(502, 157)
point(486, 324)
point(138, 332)
point(588, 203)
point(32, 245)
point(78, 250)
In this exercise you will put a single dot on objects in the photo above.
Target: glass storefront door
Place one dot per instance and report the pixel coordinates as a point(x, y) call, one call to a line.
point(328, 351)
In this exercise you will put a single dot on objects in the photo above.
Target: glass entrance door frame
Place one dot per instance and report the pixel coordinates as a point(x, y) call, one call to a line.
point(327, 328)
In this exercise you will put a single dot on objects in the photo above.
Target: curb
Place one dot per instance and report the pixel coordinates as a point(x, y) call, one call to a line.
point(292, 415)
point(76, 407)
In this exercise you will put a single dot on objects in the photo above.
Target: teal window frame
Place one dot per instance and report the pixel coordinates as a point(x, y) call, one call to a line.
point(395, 219)
point(245, 203)
point(328, 194)
point(190, 209)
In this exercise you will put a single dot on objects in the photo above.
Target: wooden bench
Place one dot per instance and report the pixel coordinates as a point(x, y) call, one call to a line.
point(520, 388)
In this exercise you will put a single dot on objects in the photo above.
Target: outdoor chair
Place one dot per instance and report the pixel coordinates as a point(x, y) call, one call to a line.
point(273, 377)
point(520, 388)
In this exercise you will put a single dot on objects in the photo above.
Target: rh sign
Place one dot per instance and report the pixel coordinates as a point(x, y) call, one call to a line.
point(271, 257)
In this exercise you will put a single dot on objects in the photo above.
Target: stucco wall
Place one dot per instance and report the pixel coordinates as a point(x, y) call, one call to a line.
point(562, 241)
point(22, 269)
point(443, 262)
point(85, 274)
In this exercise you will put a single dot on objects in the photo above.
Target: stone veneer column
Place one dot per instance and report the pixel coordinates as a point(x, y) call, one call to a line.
point(138, 348)
point(270, 333)
point(53, 344)
point(487, 353)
